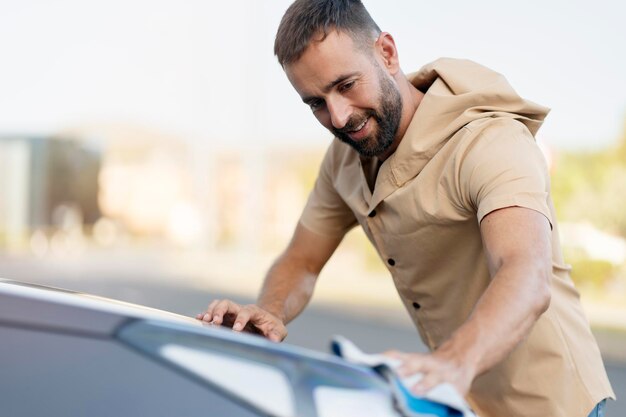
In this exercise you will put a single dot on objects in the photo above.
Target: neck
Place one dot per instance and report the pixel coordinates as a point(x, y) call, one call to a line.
point(411, 99)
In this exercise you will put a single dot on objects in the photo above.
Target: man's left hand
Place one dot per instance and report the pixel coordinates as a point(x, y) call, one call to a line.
point(436, 368)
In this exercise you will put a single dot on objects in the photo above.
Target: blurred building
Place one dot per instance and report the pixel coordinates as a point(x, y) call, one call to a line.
point(140, 185)
point(42, 182)
point(156, 186)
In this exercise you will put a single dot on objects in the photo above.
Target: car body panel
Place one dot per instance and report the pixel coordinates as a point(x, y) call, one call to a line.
point(65, 353)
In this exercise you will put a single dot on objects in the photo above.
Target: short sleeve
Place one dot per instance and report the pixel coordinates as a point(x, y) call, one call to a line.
point(326, 213)
point(506, 168)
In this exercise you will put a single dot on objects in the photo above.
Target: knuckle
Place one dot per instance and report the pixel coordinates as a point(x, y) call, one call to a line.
point(243, 316)
point(223, 306)
point(253, 309)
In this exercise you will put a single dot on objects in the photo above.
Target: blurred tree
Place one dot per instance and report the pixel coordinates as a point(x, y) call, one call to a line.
point(594, 273)
point(591, 186)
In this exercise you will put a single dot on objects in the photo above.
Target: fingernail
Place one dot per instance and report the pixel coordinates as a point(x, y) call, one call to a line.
point(237, 326)
point(206, 317)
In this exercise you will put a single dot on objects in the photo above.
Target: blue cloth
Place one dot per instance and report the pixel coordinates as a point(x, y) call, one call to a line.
point(598, 410)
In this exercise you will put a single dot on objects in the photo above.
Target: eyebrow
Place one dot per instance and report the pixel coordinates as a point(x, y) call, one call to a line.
point(332, 84)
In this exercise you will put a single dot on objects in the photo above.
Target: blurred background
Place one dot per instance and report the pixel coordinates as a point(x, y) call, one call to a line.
point(154, 151)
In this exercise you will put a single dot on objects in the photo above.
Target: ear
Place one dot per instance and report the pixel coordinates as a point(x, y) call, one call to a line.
point(386, 48)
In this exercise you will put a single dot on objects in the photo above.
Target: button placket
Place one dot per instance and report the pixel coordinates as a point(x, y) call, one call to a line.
point(381, 249)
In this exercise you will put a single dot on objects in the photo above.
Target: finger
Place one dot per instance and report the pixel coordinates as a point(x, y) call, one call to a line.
point(208, 313)
point(276, 336)
point(395, 354)
point(269, 325)
point(242, 319)
point(277, 333)
point(212, 305)
point(413, 364)
point(222, 308)
point(427, 383)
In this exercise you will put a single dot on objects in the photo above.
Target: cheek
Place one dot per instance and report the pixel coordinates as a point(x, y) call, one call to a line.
point(323, 117)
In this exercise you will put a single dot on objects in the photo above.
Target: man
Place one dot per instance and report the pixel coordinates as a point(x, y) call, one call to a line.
point(442, 171)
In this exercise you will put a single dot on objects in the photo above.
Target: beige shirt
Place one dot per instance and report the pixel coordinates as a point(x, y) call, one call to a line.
point(469, 150)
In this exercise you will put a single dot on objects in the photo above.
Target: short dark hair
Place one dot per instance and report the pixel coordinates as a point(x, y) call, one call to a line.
point(305, 19)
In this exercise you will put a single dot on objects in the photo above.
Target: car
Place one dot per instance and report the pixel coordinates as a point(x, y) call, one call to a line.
point(64, 353)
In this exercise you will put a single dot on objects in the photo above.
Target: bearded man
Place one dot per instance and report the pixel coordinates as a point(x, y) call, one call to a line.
point(441, 170)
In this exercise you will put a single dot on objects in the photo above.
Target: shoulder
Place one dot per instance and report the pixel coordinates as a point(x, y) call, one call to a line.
point(499, 141)
point(490, 128)
point(503, 167)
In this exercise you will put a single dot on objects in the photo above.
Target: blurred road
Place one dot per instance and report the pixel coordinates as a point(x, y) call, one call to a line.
point(373, 331)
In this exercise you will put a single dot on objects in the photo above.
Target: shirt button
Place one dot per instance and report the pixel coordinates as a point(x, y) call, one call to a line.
point(391, 262)
point(372, 213)
point(416, 306)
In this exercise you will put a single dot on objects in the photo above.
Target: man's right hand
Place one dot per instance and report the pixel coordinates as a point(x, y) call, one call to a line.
point(286, 290)
point(250, 318)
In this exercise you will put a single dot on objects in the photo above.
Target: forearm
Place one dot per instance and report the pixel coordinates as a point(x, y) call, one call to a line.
point(517, 296)
point(289, 283)
point(287, 289)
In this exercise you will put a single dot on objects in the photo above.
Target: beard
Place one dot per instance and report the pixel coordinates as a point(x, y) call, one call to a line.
point(387, 117)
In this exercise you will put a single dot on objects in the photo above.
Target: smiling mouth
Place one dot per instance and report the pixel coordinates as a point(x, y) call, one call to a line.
point(359, 127)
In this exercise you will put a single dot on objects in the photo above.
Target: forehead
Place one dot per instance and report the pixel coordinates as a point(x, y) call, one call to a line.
point(323, 61)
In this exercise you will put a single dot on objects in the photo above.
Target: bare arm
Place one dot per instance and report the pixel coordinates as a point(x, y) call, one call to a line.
point(287, 289)
point(289, 283)
point(518, 248)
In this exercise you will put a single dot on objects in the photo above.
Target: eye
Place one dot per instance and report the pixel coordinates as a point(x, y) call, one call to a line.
point(346, 86)
point(316, 104)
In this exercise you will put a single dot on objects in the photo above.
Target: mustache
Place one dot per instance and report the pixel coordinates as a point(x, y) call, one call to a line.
point(354, 122)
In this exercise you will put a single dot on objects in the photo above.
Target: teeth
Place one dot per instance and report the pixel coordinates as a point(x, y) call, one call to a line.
point(359, 127)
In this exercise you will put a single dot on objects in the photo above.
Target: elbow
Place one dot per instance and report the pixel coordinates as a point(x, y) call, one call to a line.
point(543, 294)
point(544, 301)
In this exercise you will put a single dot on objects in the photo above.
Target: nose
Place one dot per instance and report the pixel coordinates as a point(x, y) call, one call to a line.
point(339, 110)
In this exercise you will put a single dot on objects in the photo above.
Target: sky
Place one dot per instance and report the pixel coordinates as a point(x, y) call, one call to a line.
point(204, 70)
